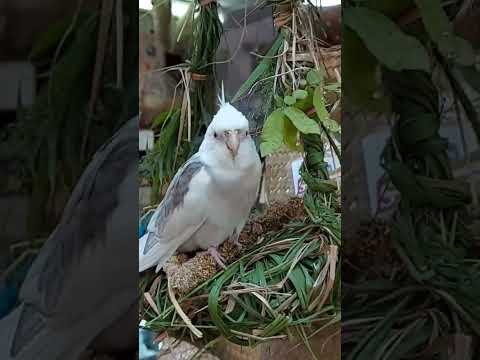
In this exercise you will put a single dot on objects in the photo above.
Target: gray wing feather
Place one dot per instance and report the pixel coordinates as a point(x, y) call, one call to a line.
point(174, 197)
point(84, 218)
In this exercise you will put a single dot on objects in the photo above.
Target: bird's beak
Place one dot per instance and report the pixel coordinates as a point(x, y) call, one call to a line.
point(233, 142)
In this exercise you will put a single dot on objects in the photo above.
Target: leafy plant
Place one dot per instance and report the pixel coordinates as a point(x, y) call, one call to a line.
point(293, 116)
point(160, 163)
point(172, 148)
point(413, 308)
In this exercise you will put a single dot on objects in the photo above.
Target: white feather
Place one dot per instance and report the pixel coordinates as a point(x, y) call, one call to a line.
point(221, 99)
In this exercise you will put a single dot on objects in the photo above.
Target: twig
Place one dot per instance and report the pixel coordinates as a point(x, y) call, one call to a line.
point(150, 301)
point(180, 312)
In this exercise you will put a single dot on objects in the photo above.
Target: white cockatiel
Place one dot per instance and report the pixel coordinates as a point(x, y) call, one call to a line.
point(211, 196)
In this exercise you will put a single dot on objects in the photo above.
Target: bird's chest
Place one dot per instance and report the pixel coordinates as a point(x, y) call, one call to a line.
point(231, 203)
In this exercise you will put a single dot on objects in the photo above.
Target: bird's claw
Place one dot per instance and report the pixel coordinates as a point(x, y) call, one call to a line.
point(219, 259)
point(236, 242)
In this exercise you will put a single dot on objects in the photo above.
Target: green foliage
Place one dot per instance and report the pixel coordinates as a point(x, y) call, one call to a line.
point(262, 68)
point(272, 134)
point(289, 100)
point(440, 30)
point(360, 67)
point(170, 152)
point(314, 77)
point(279, 275)
point(399, 314)
point(301, 121)
point(391, 8)
point(284, 125)
point(207, 31)
point(160, 163)
point(299, 95)
point(386, 41)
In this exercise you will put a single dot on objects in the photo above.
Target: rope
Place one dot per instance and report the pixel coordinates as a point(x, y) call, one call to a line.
point(282, 16)
point(198, 77)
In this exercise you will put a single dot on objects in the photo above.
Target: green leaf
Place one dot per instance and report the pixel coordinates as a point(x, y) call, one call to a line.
point(300, 95)
point(371, 341)
point(276, 326)
point(214, 307)
point(319, 104)
point(333, 87)
point(289, 100)
point(278, 101)
point(386, 41)
point(314, 77)
point(297, 277)
point(301, 121)
point(331, 125)
point(161, 118)
point(272, 133)
point(441, 32)
point(260, 69)
point(290, 135)
point(359, 66)
point(307, 103)
point(423, 191)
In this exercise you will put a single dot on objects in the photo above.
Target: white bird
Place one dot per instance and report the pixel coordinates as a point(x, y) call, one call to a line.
point(210, 197)
point(84, 279)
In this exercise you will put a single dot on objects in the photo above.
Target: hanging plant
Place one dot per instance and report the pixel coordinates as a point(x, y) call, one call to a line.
point(179, 131)
point(429, 234)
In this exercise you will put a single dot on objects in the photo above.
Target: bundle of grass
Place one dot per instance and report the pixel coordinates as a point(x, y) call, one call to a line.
point(185, 273)
point(283, 285)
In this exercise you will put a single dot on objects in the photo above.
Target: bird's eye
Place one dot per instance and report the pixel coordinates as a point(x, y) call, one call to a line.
point(215, 135)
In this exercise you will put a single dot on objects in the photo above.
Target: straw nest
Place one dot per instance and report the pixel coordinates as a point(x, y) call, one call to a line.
point(280, 284)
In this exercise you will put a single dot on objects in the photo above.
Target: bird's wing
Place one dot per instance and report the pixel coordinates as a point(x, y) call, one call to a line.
point(63, 293)
point(182, 211)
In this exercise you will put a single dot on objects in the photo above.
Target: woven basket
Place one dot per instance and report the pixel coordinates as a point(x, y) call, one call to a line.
point(279, 177)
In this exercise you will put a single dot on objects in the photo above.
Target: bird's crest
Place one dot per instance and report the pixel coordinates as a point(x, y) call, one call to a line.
point(221, 99)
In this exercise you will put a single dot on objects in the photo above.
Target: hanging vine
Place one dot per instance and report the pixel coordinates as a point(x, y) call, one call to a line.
point(436, 283)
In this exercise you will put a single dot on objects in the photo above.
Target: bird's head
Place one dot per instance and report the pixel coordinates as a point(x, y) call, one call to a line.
point(227, 132)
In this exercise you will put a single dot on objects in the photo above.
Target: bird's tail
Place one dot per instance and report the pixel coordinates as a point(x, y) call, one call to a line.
point(154, 253)
point(25, 335)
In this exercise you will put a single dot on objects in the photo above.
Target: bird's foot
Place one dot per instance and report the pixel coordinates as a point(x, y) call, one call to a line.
point(235, 238)
point(213, 251)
